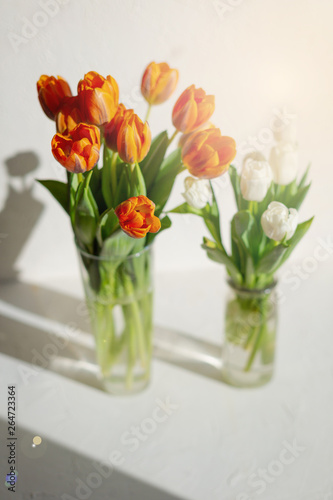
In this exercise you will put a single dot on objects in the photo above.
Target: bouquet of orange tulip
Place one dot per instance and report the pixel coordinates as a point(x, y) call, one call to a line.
point(116, 209)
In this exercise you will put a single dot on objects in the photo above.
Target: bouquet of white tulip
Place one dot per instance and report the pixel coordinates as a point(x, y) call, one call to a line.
point(264, 232)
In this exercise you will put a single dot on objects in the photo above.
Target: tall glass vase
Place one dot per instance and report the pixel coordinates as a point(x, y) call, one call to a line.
point(248, 350)
point(119, 295)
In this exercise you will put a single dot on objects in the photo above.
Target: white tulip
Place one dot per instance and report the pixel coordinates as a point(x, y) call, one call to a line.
point(286, 132)
point(278, 221)
point(254, 155)
point(197, 192)
point(284, 162)
point(256, 177)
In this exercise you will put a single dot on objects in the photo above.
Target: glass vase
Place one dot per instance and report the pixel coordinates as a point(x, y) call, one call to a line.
point(249, 338)
point(119, 296)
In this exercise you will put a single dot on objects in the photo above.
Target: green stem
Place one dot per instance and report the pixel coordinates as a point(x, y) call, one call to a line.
point(105, 333)
point(79, 177)
point(253, 207)
point(172, 137)
point(148, 112)
point(259, 336)
point(114, 174)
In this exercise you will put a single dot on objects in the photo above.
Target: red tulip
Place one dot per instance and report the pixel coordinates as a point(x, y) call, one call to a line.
point(69, 115)
point(79, 151)
point(51, 94)
point(136, 217)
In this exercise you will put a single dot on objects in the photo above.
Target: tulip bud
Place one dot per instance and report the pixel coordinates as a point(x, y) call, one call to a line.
point(133, 140)
point(79, 151)
point(158, 82)
point(279, 222)
point(51, 93)
point(207, 154)
point(69, 115)
point(98, 97)
point(256, 178)
point(136, 217)
point(197, 192)
point(192, 109)
point(111, 129)
point(284, 162)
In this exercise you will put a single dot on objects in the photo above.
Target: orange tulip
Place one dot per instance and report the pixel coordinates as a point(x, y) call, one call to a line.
point(69, 115)
point(192, 109)
point(184, 137)
point(112, 128)
point(51, 93)
point(79, 151)
point(208, 154)
point(158, 82)
point(98, 97)
point(136, 217)
point(134, 139)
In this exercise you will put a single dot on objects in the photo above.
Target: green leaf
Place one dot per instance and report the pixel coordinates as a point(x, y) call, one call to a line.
point(244, 243)
point(119, 246)
point(212, 218)
point(161, 189)
point(108, 224)
point(96, 189)
point(59, 190)
point(235, 182)
point(106, 176)
point(138, 186)
point(85, 214)
point(218, 255)
point(272, 260)
point(301, 230)
point(185, 208)
point(150, 165)
point(297, 200)
point(305, 175)
point(262, 205)
point(123, 188)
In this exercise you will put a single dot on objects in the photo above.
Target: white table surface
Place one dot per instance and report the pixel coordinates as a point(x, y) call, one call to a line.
point(216, 442)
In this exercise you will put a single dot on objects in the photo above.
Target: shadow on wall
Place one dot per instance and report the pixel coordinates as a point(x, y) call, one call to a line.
point(20, 213)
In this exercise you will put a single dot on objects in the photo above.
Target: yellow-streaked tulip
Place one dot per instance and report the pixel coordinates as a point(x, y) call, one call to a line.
point(192, 109)
point(111, 129)
point(98, 97)
point(158, 82)
point(207, 154)
point(133, 140)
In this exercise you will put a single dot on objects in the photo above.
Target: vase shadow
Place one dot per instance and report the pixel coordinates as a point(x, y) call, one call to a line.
point(51, 330)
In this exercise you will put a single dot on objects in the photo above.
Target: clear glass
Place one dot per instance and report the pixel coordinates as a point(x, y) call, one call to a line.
point(119, 295)
point(249, 338)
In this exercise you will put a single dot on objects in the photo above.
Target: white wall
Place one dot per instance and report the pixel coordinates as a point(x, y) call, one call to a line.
point(254, 55)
